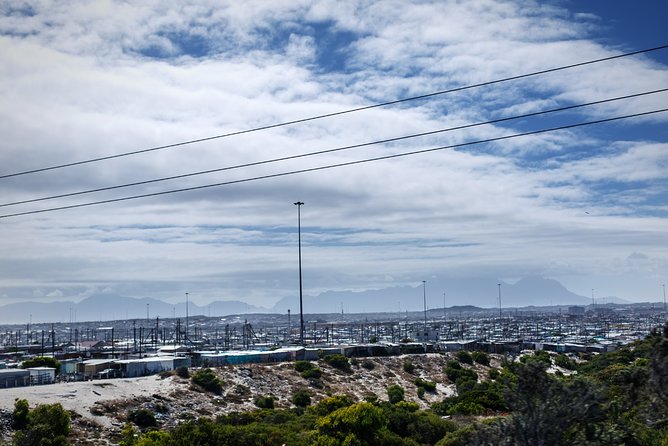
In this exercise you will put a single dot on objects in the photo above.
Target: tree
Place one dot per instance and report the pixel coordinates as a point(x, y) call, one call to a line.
point(547, 410)
point(42, 361)
point(20, 415)
point(356, 424)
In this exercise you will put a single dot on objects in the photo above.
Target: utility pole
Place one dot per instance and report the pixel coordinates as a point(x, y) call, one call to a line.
point(186, 337)
point(444, 314)
point(299, 205)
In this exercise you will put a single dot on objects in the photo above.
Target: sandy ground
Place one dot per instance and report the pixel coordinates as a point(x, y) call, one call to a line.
point(80, 397)
point(100, 408)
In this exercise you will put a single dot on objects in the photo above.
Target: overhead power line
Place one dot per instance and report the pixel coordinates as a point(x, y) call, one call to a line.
point(332, 166)
point(329, 115)
point(337, 149)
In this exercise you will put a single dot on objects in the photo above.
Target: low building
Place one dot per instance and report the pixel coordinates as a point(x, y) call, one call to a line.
point(92, 367)
point(42, 375)
point(14, 378)
point(131, 368)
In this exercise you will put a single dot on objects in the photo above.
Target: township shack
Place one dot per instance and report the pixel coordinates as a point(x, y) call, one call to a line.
point(131, 368)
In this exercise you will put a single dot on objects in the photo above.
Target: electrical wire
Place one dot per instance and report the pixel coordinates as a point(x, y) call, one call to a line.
point(332, 166)
point(329, 115)
point(337, 149)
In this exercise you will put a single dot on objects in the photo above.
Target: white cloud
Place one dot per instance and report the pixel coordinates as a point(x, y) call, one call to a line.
point(82, 79)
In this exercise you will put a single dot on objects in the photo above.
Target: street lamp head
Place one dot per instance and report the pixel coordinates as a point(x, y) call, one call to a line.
point(299, 203)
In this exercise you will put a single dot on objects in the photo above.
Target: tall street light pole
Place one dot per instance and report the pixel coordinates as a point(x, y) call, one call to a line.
point(424, 301)
point(664, 297)
point(499, 299)
point(301, 305)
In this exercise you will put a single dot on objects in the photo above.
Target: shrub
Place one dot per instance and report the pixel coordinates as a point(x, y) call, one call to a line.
point(302, 366)
point(311, 374)
point(480, 358)
point(301, 398)
point(429, 386)
point(338, 361)
point(265, 402)
point(207, 379)
point(420, 392)
point(409, 367)
point(457, 372)
point(464, 357)
point(183, 372)
point(395, 393)
point(143, 418)
point(308, 370)
point(368, 364)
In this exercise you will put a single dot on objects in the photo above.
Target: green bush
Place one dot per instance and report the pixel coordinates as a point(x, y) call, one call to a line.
point(302, 366)
point(368, 364)
point(207, 379)
point(480, 358)
point(311, 374)
point(308, 370)
point(183, 372)
point(395, 393)
point(265, 402)
point(457, 372)
point(464, 357)
point(143, 418)
point(420, 392)
point(301, 398)
point(409, 367)
point(338, 361)
point(429, 386)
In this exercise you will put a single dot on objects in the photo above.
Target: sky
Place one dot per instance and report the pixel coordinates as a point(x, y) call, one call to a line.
point(81, 80)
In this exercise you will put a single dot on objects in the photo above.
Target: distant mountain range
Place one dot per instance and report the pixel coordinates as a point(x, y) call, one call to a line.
point(480, 292)
point(105, 307)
